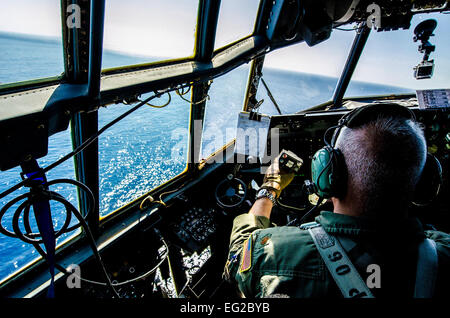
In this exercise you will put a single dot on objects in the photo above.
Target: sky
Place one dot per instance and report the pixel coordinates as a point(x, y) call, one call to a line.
point(167, 28)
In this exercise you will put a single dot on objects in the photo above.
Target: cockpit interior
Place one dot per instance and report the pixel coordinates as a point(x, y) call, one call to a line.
point(168, 236)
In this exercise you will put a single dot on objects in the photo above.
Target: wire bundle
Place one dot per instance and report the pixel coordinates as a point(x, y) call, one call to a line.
point(39, 194)
point(30, 198)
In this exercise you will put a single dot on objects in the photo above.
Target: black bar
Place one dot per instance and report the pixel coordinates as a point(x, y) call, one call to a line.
point(206, 29)
point(350, 65)
point(253, 83)
point(96, 47)
point(271, 96)
point(76, 41)
point(208, 14)
point(84, 125)
point(198, 105)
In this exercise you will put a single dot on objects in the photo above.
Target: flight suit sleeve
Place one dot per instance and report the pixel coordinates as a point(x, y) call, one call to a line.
point(243, 226)
point(443, 250)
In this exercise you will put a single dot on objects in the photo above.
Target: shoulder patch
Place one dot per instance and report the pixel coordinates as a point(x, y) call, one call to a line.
point(246, 263)
point(265, 239)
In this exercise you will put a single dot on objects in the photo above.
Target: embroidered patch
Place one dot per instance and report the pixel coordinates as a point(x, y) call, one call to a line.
point(247, 255)
point(265, 239)
point(324, 241)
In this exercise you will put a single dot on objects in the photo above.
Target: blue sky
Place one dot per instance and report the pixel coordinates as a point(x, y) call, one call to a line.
point(167, 28)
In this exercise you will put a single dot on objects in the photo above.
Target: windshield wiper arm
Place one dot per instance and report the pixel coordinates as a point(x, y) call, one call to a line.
point(271, 96)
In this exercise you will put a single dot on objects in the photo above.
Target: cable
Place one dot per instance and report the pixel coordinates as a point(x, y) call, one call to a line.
point(43, 194)
point(140, 277)
point(356, 28)
point(352, 29)
point(183, 92)
point(29, 237)
point(319, 202)
point(186, 100)
point(32, 238)
point(95, 251)
point(151, 200)
point(188, 281)
point(325, 135)
point(162, 106)
point(160, 201)
point(88, 141)
point(313, 209)
point(288, 207)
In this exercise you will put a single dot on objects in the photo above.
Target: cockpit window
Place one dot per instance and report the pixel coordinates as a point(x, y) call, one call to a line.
point(143, 151)
point(387, 62)
point(236, 21)
point(300, 76)
point(30, 40)
point(148, 31)
point(226, 101)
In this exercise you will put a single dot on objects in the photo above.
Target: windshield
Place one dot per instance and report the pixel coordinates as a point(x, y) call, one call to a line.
point(132, 160)
point(133, 36)
point(236, 21)
point(387, 62)
point(300, 77)
point(30, 40)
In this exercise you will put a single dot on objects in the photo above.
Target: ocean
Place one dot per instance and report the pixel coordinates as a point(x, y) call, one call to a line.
point(148, 147)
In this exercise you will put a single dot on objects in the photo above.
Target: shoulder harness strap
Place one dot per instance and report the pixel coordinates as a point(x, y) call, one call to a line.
point(348, 279)
point(339, 265)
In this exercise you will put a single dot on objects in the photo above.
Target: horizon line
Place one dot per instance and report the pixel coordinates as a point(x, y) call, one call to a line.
point(56, 40)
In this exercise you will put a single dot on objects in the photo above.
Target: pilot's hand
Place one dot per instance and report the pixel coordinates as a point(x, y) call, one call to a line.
point(275, 179)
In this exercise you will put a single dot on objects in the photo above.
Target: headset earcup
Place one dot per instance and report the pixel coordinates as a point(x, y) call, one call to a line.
point(429, 184)
point(320, 171)
point(328, 172)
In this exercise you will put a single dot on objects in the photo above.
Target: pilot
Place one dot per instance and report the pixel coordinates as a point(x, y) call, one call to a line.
point(383, 155)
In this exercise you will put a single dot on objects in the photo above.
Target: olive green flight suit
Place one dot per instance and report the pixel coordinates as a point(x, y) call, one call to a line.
point(269, 261)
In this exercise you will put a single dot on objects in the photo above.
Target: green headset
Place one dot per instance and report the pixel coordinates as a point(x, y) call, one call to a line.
point(328, 169)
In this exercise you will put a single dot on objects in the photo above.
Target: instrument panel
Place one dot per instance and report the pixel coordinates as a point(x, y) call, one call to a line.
point(195, 227)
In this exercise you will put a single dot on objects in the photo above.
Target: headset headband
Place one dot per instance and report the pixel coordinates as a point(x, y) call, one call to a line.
point(365, 114)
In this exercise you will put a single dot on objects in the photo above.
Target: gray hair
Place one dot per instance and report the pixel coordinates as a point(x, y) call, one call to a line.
point(384, 160)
